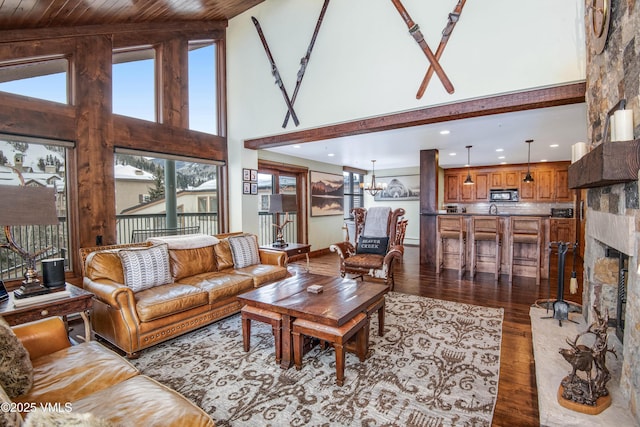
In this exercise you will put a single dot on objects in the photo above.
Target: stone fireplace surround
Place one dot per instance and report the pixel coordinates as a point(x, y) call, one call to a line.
point(613, 220)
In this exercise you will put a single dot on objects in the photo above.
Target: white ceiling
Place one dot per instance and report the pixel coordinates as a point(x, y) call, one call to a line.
point(563, 125)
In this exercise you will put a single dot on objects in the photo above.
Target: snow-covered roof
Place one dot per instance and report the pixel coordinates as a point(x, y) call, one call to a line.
point(129, 172)
point(207, 185)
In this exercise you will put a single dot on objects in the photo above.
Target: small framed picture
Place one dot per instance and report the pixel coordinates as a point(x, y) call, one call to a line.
point(254, 176)
point(246, 187)
point(254, 188)
point(246, 174)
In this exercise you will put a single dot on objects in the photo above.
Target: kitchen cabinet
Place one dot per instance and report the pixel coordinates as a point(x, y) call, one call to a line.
point(481, 181)
point(511, 179)
point(528, 189)
point(563, 193)
point(496, 180)
point(467, 192)
point(545, 185)
point(452, 185)
point(562, 230)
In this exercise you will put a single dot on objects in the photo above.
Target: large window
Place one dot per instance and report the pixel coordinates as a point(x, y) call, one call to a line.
point(147, 206)
point(134, 83)
point(38, 163)
point(203, 94)
point(353, 194)
point(44, 79)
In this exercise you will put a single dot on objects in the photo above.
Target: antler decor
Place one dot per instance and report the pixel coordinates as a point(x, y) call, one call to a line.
point(588, 395)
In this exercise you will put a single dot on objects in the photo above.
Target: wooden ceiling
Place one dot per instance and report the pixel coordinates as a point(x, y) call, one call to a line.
point(31, 14)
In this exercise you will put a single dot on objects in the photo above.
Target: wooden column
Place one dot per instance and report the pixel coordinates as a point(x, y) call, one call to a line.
point(91, 94)
point(428, 206)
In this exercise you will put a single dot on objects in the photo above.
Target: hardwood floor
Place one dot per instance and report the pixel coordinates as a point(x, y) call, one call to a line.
point(517, 403)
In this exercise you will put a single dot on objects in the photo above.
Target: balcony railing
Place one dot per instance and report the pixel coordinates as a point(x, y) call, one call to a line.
point(35, 238)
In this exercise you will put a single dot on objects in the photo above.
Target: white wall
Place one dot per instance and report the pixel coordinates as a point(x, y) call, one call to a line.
point(365, 64)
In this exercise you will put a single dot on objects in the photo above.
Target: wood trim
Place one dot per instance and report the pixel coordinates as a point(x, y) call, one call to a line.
point(608, 163)
point(21, 115)
point(159, 28)
point(519, 101)
point(161, 138)
point(281, 167)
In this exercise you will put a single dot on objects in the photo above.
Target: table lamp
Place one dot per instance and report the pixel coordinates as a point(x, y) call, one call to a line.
point(282, 203)
point(27, 206)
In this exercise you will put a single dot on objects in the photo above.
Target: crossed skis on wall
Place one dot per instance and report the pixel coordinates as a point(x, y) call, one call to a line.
point(414, 31)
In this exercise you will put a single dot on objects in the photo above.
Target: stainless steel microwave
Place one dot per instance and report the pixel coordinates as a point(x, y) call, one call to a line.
point(508, 195)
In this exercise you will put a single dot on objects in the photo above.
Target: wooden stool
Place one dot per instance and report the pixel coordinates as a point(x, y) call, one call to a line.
point(525, 231)
point(336, 335)
point(249, 313)
point(451, 227)
point(485, 229)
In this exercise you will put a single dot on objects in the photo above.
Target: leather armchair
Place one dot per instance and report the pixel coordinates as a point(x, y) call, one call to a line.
point(374, 265)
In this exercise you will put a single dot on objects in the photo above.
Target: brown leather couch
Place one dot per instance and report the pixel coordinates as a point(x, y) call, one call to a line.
point(204, 289)
point(95, 380)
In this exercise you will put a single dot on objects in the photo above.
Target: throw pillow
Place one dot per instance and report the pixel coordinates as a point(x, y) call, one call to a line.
point(245, 250)
point(16, 370)
point(145, 268)
point(372, 245)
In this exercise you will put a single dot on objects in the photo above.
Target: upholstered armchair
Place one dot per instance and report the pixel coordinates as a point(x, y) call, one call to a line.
point(377, 244)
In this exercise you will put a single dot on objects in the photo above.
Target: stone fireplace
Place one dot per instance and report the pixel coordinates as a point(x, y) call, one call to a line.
point(613, 211)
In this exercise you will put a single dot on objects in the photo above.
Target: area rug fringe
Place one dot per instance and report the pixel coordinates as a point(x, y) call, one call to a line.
point(438, 364)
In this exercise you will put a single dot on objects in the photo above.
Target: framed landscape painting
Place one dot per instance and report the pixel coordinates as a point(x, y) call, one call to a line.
point(327, 193)
point(405, 187)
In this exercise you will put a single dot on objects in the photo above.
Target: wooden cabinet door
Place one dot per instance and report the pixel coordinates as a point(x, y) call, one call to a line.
point(451, 188)
point(563, 192)
point(511, 179)
point(496, 180)
point(482, 187)
point(467, 191)
point(562, 230)
point(527, 189)
point(544, 185)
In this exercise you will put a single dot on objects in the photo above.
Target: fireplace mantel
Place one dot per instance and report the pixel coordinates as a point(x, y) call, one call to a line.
point(607, 164)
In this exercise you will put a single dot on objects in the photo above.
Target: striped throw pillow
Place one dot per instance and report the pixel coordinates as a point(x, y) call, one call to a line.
point(145, 268)
point(244, 250)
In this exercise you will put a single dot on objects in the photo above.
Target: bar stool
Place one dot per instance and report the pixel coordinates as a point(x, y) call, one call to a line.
point(451, 227)
point(525, 231)
point(485, 229)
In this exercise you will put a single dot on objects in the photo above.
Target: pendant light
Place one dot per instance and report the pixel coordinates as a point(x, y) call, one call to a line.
point(373, 188)
point(528, 178)
point(468, 180)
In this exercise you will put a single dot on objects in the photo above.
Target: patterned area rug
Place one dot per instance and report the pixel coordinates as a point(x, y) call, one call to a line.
point(437, 365)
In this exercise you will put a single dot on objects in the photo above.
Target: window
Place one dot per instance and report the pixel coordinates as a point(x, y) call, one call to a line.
point(195, 200)
point(42, 79)
point(42, 163)
point(202, 87)
point(134, 83)
point(353, 194)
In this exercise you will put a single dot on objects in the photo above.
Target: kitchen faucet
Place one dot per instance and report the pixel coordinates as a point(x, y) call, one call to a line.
point(493, 209)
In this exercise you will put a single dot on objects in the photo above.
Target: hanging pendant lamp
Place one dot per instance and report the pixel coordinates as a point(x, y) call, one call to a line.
point(373, 188)
point(528, 178)
point(468, 180)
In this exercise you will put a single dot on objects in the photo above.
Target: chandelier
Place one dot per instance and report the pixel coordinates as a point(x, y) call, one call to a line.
point(373, 188)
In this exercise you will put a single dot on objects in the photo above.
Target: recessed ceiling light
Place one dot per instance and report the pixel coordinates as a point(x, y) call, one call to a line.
point(554, 145)
point(445, 132)
point(452, 154)
point(543, 160)
point(499, 150)
point(503, 163)
point(331, 154)
point(296, 146)
point(501, 157)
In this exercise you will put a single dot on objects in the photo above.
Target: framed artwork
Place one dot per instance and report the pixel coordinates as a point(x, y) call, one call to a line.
point(254, 188)
point(246, 174)
point(246, 187)
point(254, 175)
point(327, 193)
point(406, 187)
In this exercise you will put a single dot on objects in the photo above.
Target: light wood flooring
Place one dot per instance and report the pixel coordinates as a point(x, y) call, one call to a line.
point(517, 403)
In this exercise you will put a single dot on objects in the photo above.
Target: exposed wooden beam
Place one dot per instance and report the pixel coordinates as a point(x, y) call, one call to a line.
point(187, 27)
point(21, 115)
point(519, 101)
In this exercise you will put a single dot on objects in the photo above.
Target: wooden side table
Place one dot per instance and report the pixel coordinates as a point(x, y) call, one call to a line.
point(292, 249)
point(80, 301)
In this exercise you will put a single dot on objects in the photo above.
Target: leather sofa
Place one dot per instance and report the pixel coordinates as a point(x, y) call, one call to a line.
point(90, 379)
point(206, 278)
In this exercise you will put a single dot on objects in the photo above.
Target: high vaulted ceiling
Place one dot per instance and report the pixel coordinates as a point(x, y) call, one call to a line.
point(23, 14)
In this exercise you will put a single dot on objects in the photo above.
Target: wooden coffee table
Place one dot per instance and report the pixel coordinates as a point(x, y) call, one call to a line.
point(340, 300)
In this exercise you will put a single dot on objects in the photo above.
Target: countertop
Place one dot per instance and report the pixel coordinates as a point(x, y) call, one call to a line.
point(500, 214)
